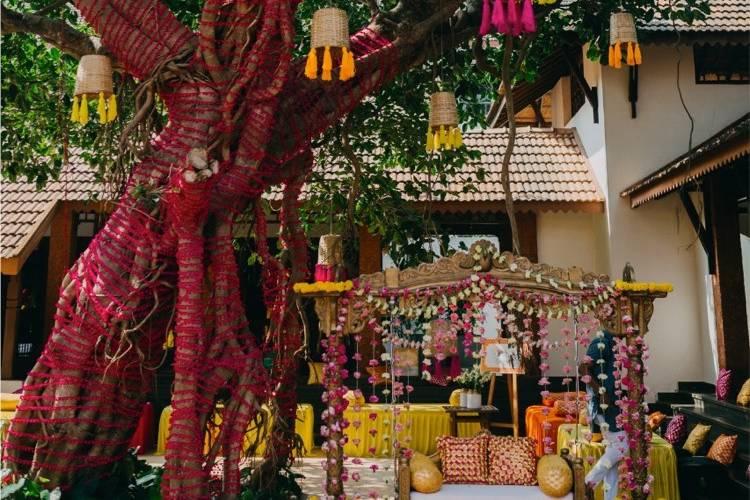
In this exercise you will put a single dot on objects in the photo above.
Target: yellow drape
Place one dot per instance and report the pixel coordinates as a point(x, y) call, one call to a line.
point(423, 422)
point(303, 426)
point(663, 460)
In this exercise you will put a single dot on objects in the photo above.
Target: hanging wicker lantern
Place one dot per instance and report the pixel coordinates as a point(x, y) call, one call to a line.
point(94, 81)
point(330, 29)
point(443, 131)
point(622, 35)
point(330, 258)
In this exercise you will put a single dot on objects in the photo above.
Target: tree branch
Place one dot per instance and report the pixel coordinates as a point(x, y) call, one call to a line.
point(53, 31)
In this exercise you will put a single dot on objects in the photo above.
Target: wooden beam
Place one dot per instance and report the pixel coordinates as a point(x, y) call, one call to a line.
point(10, 326)
point(732, 343)
point(370, 252)
point(59, 260)
point(704, 233)
point(527, 235)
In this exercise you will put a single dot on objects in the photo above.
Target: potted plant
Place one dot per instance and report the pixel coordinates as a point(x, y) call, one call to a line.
point(472, 381)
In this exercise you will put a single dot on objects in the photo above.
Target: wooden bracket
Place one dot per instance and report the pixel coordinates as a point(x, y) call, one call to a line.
point(591, 93)
point(704, 232)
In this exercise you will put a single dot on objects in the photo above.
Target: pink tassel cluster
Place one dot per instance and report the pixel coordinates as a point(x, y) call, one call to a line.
point(506, 17)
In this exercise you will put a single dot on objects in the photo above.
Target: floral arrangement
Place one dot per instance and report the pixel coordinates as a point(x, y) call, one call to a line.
point(323, 286)
point(473, 378)
point(642, 286)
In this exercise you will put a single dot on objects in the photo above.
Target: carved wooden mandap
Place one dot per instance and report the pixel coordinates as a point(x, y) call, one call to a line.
point(530, 290)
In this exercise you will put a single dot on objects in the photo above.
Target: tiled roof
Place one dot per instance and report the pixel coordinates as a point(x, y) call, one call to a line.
point(22, 207)
point(547, 167)
point(725, 16)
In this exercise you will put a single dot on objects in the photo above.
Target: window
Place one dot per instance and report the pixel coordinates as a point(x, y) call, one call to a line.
point(721, 64)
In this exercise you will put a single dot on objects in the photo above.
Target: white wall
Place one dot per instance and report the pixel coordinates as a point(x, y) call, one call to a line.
point(657, 238)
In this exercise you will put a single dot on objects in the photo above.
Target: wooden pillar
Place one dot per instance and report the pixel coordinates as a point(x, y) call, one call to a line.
point(11, 324)
point(370, 252)
point(527, 235)
point(59, 260)
point(728, 282)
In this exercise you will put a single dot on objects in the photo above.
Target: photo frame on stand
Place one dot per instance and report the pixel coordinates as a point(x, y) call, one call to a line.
point(501, 356)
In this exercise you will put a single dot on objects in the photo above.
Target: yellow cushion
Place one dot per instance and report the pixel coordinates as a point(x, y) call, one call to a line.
point(554, 476)
point(743, 398)
point(425, 476)
point(9, 402)
point(696, 439)
point(316, 372)
point(455, 398)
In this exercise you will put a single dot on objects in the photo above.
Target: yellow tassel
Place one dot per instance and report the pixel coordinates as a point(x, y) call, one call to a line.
point(458, 140)
point(311, 67)
point(327, 64)
point(449, 139)
point(169, 342)
point(347, 65)
point(637, 53)
point(74, 113)
point(83, 114)
point(630, 57)
point(611, 59)
point(443, 136)
point(101, 109)
point(436, 141)
point(430, 142)
point(111, 108)
point(618, 56)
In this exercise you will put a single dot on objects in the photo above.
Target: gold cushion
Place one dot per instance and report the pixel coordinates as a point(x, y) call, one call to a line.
point(554, 476)
point(355, 398)
point(696, 439)
point(425, 476)
point(316, 373)
point(455, 398)
point(9, 402)
point(743, 398)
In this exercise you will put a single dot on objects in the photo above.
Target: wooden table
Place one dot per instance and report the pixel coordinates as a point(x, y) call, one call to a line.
point(461, 414)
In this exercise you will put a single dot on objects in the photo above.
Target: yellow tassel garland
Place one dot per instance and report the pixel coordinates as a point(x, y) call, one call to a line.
point(83, 114)
point(101, 109)
point(430, 142)
point(630, 57)
point(327, 64)
point(637, 53)
point(458, 140)
point(311, 67)
point(74, 113)
point(111, 108)
point(618, 56)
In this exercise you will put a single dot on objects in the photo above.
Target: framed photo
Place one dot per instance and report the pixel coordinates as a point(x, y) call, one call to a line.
point(406, 360)
point(501, 356)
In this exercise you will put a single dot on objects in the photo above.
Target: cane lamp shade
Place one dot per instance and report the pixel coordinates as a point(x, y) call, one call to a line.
point(94, 81)
point(622, 36)
point(443, 131)
point(330, 29)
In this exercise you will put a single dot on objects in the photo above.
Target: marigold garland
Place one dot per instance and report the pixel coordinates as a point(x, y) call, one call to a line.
point(323, 286)
point(626, 286)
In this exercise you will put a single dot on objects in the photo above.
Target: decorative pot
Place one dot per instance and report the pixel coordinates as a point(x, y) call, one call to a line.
point(473, 400)
point(463, 400)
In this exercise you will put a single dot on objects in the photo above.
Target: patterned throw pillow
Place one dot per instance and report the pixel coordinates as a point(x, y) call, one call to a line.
point(464, 460)
point(743, 398)
point(563, 408)
point(723, 449)
point(550, 399)
point(676, 430)
point(512, 460)
point(696, 439)
point(723, 384)
point(654, 420)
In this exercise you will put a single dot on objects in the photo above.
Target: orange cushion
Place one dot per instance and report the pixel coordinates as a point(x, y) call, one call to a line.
point(464, 460)
point(556, 396)
point(655, 419)
point(723, 449)
point(512, 461)
point(534, 426)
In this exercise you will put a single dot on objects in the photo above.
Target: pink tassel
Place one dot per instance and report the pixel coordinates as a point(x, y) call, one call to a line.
point(528, 23)
point(455, 367)
point(514, 18)
point(498, 17)
point(486, 27)
point(438, 369)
